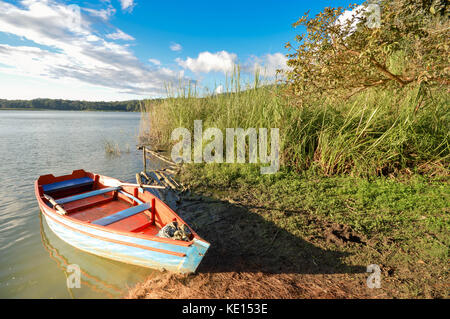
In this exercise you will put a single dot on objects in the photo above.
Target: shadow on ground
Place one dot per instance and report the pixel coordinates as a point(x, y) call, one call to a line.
point(243, 241)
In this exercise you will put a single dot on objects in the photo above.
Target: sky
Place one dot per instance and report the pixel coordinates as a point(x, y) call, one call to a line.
point(116, 50)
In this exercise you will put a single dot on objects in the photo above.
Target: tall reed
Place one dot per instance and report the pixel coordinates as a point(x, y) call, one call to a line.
point(376, 132)
point(111, 148)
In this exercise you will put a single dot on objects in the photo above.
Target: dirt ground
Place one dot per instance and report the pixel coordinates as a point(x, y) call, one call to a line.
point(251, 257)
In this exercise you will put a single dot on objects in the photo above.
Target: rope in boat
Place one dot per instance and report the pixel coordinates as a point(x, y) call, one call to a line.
point(174, 231)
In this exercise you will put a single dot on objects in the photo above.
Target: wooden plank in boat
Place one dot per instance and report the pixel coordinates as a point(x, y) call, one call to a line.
point(86, 195)
point(105, 221)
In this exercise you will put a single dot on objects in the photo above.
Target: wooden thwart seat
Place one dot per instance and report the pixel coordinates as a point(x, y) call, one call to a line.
point(105, 221)
point(86, 195)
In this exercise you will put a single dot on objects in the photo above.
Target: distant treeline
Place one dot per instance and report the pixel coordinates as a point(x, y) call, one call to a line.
point(50, 104)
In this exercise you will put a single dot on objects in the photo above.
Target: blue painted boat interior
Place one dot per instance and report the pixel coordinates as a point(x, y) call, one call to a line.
point(122, 214)
point(86, 195)
point(64, 185)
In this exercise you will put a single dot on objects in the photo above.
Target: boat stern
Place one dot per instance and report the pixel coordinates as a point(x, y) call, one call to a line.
point(194, 256)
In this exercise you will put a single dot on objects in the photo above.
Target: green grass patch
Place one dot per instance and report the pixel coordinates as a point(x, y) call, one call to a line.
point(405, 223)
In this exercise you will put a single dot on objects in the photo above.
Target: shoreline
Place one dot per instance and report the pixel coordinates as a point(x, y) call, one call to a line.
point(305, 243)
point(26, 109)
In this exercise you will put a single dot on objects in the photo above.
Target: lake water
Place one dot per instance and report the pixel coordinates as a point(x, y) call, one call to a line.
point(33, 261)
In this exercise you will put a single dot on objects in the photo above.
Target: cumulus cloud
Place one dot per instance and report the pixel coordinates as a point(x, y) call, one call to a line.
point(268, 64)
point(120, 35)
point(219, 89)
point(103, 14)
point(352, 16)
point(67, 48)
point(225, 62)
point(207, 62)
point(127, 4)
point(175, 46)
point(154, 61)
point(371, 11)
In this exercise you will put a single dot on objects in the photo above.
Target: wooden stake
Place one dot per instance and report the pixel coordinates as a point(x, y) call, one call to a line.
point(173, 180)
point(155, 177)
point(161, 157)
point(142, 185)
point(150, 180)
point(145, 180)
point(138, 179)
point(161, 178)
point(168, 181)
point(170, 171)
point(144, 158)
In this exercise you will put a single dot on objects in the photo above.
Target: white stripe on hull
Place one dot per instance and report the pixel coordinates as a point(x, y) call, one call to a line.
point(128, 254)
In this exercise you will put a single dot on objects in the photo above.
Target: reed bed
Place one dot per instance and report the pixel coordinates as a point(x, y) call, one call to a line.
point(377, 132)
point(112, 148)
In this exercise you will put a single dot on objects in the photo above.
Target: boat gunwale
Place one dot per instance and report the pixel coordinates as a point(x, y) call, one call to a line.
point(118, 232)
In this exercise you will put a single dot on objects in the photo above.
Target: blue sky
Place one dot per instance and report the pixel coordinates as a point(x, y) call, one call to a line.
point(131, 49)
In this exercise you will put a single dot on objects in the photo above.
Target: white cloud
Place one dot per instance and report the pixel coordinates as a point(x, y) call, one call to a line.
point(103, 14)
point(120, 35)
point(78, 54)
point(155, 61)
point(175, 47)
point(350, 18)
point(210, 62)
point(219, 89)
point(268, 64)
point(225, 62)
point(127, 4)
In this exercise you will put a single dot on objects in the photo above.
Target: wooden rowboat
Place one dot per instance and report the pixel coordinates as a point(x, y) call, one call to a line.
point(103, 216)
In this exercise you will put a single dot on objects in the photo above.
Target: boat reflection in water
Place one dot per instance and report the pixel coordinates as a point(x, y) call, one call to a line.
point(99, 277)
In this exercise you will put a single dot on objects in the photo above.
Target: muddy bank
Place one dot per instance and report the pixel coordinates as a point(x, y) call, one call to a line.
point(251, 257)
point(307, 236)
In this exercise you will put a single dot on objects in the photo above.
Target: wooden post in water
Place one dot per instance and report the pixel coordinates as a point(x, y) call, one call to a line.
point(144, 158)
point(138, 179)
point(147, 177)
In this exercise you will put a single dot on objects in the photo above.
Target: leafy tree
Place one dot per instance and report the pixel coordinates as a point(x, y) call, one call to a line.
point(409, 45)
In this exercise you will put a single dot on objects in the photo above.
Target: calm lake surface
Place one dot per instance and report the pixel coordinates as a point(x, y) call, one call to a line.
point(33, 261)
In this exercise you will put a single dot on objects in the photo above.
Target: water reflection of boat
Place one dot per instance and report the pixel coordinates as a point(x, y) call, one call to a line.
point(103, 277)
